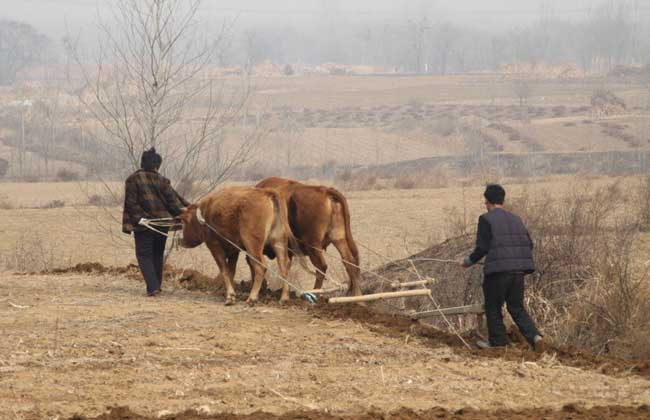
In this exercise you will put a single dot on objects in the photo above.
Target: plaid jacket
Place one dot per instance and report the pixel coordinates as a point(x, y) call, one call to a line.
point(149, 195)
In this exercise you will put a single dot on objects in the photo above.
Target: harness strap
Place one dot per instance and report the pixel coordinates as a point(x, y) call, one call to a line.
point(309, 296)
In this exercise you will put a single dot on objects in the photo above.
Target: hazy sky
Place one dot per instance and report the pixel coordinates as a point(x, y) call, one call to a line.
point(49, 16)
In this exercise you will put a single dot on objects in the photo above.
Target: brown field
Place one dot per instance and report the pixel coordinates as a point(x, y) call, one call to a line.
point(76, 343)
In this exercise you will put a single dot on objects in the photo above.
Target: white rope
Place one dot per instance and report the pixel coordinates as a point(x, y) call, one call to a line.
point(147, 223)
point(309, 296)
point(153, 224)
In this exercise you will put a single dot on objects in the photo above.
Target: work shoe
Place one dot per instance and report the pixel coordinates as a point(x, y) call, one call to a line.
point(539, 345)
point(483, 345)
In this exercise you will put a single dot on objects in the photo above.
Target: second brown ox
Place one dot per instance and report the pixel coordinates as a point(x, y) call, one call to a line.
point(319, 216)
point(255, 220)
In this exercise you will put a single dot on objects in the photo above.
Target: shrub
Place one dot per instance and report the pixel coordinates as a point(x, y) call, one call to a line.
point(4, 166)
point(66, 175)
point(105, 200)
point(54, 204)
point(288, 70)
point(30, 178)
point(405, 183)
point(31, 253)
point(5, 204)
point(585, 292)
point(444, 126)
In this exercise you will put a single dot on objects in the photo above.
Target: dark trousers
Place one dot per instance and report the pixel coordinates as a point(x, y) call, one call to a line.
point(509, 288)
point(150, 252)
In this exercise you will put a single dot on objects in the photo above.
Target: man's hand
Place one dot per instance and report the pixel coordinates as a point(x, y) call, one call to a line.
point(142, 221)
point(466, 262)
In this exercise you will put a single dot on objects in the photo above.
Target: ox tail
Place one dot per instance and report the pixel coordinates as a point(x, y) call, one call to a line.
point(293, 246)
point(340, 198)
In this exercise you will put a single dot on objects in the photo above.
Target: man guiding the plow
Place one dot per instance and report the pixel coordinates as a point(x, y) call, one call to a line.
point(504, 241)
point(149, 195)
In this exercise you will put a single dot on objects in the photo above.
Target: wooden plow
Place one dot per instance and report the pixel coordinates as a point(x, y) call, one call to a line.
point(380, 296)
point(476, 310)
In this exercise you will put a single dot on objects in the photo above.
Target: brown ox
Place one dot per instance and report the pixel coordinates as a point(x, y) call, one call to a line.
point(319, 216)
point(253, 219)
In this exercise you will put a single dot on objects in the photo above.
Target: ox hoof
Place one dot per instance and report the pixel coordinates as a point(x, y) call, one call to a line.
point(251, 302)
point(284, 301)
point(230, 301)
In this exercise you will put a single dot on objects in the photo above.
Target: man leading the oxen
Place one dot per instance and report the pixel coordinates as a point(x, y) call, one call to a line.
point(505, 242)
point(150, 195)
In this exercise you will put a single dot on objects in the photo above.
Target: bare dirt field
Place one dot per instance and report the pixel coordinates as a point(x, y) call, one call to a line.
point(77, 343)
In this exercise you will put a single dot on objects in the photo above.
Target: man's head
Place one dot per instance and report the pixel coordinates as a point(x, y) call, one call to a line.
point(150, 160)
point(494, 195)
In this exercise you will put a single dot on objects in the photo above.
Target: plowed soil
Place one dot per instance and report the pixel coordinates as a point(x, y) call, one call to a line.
point(76, 343)
point(568, 412)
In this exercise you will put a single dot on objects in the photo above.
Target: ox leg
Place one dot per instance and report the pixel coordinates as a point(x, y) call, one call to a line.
point(256, 250)
point(223, 264)
point(353, 271)
point(317, 257)
point(257, 282)
point(251, 266)
point(231, 267)
point(284, 264)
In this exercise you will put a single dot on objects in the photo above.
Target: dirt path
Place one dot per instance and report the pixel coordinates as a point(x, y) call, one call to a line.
point(79, 343)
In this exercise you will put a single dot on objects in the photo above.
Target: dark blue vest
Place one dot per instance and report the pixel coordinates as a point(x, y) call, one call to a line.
point(511, 249)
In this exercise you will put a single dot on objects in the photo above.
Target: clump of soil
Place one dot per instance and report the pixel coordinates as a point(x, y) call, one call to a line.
point(571, 411)
point(400, 326)
point(185, 278)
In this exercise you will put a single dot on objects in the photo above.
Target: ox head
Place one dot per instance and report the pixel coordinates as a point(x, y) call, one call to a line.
point(193, 231)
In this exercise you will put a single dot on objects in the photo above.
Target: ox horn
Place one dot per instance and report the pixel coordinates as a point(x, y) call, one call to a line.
point(199, 216)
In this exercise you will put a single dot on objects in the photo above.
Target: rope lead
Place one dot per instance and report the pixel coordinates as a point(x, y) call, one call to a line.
point(310, 297)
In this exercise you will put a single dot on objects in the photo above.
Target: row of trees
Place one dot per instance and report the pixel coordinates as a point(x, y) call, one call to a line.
point(612, 33)
point(21, 45)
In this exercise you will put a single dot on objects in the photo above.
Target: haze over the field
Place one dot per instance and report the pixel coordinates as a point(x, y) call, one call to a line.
point(50, 16)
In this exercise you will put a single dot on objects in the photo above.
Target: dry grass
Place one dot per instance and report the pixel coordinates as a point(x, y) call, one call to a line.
point(591, 289)
point(32, 253)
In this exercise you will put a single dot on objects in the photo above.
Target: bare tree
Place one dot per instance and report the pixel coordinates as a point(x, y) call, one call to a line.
point(47, 116)
point(524, 90)
point(20, 46)
point(417, 31)
point(150, 86)
point(290, 131)
point(444, 38)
